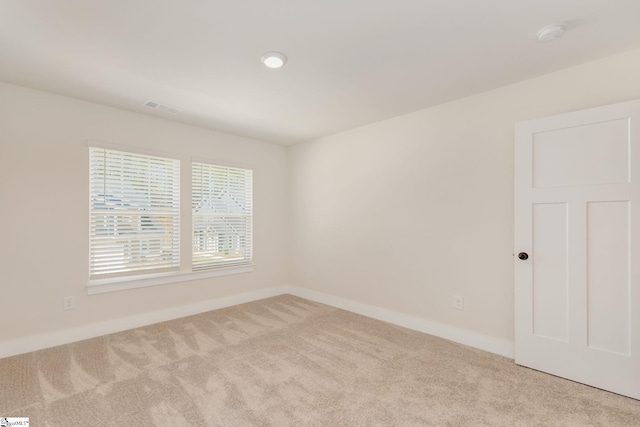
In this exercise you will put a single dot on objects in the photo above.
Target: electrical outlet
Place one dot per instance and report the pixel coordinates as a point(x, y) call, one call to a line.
point(69, 303)
point(458, 302)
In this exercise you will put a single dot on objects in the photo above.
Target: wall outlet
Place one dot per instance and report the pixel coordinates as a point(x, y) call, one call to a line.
point(69, 303)
point(458, 302)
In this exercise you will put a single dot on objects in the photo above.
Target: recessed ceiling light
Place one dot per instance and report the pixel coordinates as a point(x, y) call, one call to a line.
point(551, 33)
point(274, 59)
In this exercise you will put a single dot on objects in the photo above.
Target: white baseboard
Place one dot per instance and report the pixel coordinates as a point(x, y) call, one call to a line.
point(52, 339)
point(66, 336)
point(473, 339)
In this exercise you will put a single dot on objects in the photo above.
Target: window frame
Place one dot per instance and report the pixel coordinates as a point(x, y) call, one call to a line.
point(248, 259)
point(185, 273)
point(118, 206)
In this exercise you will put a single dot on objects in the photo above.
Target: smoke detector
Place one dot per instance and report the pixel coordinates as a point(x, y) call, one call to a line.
point(551, 33)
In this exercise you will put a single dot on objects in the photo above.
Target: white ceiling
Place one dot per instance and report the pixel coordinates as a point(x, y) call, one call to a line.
point(351, 62)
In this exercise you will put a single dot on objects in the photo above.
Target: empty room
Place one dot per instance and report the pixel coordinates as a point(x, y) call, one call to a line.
point(320, 213)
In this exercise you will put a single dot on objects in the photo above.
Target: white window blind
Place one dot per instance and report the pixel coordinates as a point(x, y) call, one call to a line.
point(135, 212)
point(221, 202)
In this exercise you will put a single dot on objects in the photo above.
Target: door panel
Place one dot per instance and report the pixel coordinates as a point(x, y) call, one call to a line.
point(608, 276)
point(550, 286)
point(604, 159)
point(577, 297)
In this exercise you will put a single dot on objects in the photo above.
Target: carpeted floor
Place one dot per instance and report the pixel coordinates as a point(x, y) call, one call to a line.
point(286, 361)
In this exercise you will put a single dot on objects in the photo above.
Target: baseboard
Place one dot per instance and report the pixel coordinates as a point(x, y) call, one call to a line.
point(473, 339)
point(66, 336)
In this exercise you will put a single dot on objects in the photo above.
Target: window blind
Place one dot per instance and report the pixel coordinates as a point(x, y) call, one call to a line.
point(222, 216)
point(135, 212)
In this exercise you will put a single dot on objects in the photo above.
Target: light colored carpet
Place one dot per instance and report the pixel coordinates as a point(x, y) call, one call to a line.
point(286, 361)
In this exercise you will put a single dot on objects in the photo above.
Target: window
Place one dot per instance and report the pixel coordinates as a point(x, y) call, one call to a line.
point(137, 210)
point(135, 213)
point(221, 216)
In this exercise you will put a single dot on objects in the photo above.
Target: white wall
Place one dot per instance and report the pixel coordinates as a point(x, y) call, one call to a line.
point(401, 214)
point(405, 213)
point(44, 210)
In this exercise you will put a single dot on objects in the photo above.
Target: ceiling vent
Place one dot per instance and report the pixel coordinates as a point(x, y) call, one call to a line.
point(161, 107)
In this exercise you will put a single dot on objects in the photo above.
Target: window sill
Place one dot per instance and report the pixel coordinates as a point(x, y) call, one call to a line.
point(102, 286)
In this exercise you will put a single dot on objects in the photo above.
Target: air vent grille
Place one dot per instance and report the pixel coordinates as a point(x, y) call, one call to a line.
point(161, 107)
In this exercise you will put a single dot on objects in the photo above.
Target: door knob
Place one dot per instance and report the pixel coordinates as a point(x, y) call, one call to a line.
point(523, 255)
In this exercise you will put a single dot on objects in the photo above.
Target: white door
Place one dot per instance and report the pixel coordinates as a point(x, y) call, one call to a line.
point(577, 217)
